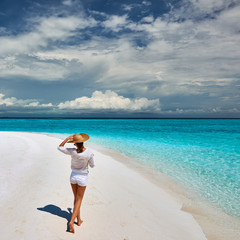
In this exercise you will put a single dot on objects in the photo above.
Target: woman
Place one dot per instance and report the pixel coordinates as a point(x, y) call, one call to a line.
point(81, 158)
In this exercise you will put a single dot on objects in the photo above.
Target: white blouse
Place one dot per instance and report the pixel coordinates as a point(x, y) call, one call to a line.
point(80, 161)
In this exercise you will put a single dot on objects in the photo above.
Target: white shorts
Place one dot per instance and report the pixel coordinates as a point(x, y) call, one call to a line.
point(79, 179)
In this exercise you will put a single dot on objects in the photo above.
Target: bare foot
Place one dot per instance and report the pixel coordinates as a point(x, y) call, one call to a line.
point(71, 227)
point(79, 222)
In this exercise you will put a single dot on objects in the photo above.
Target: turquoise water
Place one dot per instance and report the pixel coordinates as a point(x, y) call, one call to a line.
point(201, 154)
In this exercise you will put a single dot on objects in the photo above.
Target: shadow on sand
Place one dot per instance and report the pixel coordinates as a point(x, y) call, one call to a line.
point(58, 212)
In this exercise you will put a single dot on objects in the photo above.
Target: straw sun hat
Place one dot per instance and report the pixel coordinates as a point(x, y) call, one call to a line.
point(82, 137)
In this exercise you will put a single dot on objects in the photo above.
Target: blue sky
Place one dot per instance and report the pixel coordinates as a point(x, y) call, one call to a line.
point(96, 58)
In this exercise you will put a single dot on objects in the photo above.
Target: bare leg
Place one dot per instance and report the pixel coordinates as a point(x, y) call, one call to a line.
point(74, 189)
point(77, 205)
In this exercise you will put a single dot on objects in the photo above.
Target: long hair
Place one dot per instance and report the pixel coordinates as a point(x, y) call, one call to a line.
point(80, 147)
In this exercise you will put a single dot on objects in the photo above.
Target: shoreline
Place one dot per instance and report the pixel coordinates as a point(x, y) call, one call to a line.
point(114, 207)
point(215, 223)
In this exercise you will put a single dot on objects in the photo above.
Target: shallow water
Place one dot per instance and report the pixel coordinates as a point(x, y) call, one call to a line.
point(201, 154)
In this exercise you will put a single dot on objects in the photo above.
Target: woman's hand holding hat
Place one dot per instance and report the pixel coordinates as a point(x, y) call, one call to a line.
point(70, 138)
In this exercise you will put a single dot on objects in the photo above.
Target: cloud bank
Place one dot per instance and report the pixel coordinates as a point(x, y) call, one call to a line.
point(107, 100)
point(14, 102)
point(111, 101)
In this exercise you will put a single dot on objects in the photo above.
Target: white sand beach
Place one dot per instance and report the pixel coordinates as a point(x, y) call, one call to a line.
point(119, 203)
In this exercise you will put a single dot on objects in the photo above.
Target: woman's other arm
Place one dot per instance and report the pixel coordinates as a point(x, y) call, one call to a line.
point(91, 161)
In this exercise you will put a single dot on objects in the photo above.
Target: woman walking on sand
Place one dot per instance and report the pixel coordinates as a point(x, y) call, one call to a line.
point(81, 158)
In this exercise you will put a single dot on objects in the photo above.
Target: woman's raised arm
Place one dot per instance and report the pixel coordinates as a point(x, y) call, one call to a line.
point(67, 139)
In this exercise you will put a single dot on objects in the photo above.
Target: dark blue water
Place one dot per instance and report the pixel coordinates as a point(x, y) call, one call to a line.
point(201, 154)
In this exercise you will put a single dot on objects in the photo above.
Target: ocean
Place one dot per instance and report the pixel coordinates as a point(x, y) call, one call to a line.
point(203, 155)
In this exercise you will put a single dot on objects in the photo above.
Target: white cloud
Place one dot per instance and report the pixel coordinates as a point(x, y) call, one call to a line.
point(115, 22)
point(31, 67)
point(67, 2)
point(146, 3)
point(111, 101)
point(14, 102)
point(18, 53)
point(3, 31)
point(210, 6)
point(46, 29)
point(206, 110)
point(127, 7)
point(229, 21)
point(200, 9)
point(148, 19)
